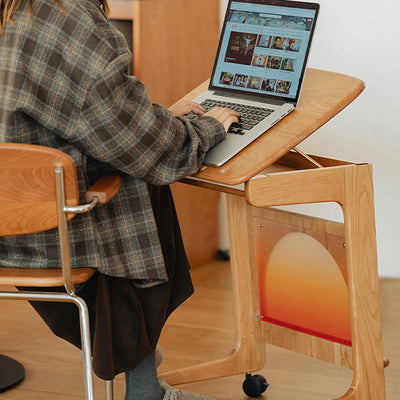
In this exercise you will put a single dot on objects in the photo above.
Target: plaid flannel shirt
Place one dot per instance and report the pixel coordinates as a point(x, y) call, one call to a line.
point(64, 84)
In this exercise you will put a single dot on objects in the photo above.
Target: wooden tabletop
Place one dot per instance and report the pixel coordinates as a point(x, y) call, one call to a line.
point(324, 94)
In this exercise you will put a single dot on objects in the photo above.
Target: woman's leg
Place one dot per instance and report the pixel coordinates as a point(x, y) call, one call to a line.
point(142, 383)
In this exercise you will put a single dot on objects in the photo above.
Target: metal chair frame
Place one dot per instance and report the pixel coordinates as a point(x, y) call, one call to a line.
point(70, 296)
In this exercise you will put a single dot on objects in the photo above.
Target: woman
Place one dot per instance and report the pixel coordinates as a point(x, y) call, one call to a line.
point(64, 84)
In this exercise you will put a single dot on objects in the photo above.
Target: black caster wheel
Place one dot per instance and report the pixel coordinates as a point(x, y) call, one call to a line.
point(254, 385)
point(223, 255)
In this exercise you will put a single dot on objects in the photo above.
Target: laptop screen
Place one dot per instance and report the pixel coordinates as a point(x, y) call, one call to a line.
point(263, 48)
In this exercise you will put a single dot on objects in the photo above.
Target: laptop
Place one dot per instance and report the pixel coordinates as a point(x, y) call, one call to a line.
point(259, 68)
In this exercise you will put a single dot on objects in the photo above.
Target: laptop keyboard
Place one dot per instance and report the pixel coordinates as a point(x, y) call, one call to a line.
point(249, 115)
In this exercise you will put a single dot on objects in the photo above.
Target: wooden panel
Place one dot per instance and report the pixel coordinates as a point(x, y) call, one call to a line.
point(175, 42)
point(299, 220)
point(121, 9)
point(303, 343)
point(296, 187)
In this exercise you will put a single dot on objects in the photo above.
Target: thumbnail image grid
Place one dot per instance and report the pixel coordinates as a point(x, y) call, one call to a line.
point(253, 50)
point(229, 79)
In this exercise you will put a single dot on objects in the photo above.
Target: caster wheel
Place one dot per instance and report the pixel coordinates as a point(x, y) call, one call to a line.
point(254, 385)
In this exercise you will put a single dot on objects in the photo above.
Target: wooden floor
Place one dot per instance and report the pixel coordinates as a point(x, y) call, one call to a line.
point(201, 330)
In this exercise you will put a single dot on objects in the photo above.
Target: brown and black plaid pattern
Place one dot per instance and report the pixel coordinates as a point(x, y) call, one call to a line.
point(64, 84)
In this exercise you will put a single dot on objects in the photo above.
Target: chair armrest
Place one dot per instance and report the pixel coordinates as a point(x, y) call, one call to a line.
point(105, 188)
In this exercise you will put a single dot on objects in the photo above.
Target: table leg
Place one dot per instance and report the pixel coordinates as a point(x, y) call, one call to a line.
point(248, 354)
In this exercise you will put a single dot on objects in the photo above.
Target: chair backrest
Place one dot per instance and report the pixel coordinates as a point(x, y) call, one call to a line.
point(28, 189)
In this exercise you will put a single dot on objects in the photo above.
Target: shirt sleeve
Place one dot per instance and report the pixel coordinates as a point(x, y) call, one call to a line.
point(118, 125)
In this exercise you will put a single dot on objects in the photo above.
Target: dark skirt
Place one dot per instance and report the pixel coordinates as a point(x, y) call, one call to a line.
point(126, 321)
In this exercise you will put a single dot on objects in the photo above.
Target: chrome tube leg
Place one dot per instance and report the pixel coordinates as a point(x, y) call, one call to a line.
point(109, 390)
point(86, 348)
point(83, 320)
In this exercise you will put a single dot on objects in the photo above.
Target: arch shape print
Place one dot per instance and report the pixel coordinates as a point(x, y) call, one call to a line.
point(302, 288)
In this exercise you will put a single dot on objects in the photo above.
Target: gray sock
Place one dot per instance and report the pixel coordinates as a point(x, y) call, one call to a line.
point(142, 383)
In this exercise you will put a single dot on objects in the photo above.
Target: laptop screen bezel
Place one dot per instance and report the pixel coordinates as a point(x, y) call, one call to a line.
point(266, 96)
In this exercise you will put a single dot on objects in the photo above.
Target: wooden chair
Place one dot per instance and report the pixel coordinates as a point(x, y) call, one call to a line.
point(39, 191)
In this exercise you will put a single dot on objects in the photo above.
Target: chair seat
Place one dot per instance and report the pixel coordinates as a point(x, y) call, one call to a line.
point(41, 277)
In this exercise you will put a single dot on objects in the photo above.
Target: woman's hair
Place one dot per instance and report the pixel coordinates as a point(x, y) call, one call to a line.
point(8, 7)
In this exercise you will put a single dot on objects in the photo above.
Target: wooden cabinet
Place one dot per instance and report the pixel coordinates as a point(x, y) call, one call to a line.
point(174, 44)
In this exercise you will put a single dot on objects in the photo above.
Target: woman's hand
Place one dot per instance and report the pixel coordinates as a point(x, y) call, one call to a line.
point(224, 115)
point(183, 108)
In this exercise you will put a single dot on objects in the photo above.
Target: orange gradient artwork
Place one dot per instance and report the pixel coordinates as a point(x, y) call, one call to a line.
point(301, 287)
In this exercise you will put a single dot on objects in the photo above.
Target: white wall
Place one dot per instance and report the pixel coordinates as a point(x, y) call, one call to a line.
point(362, 38)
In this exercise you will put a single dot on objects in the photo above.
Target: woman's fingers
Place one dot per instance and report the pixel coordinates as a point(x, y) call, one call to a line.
point(186, 107)
point(224, 115)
